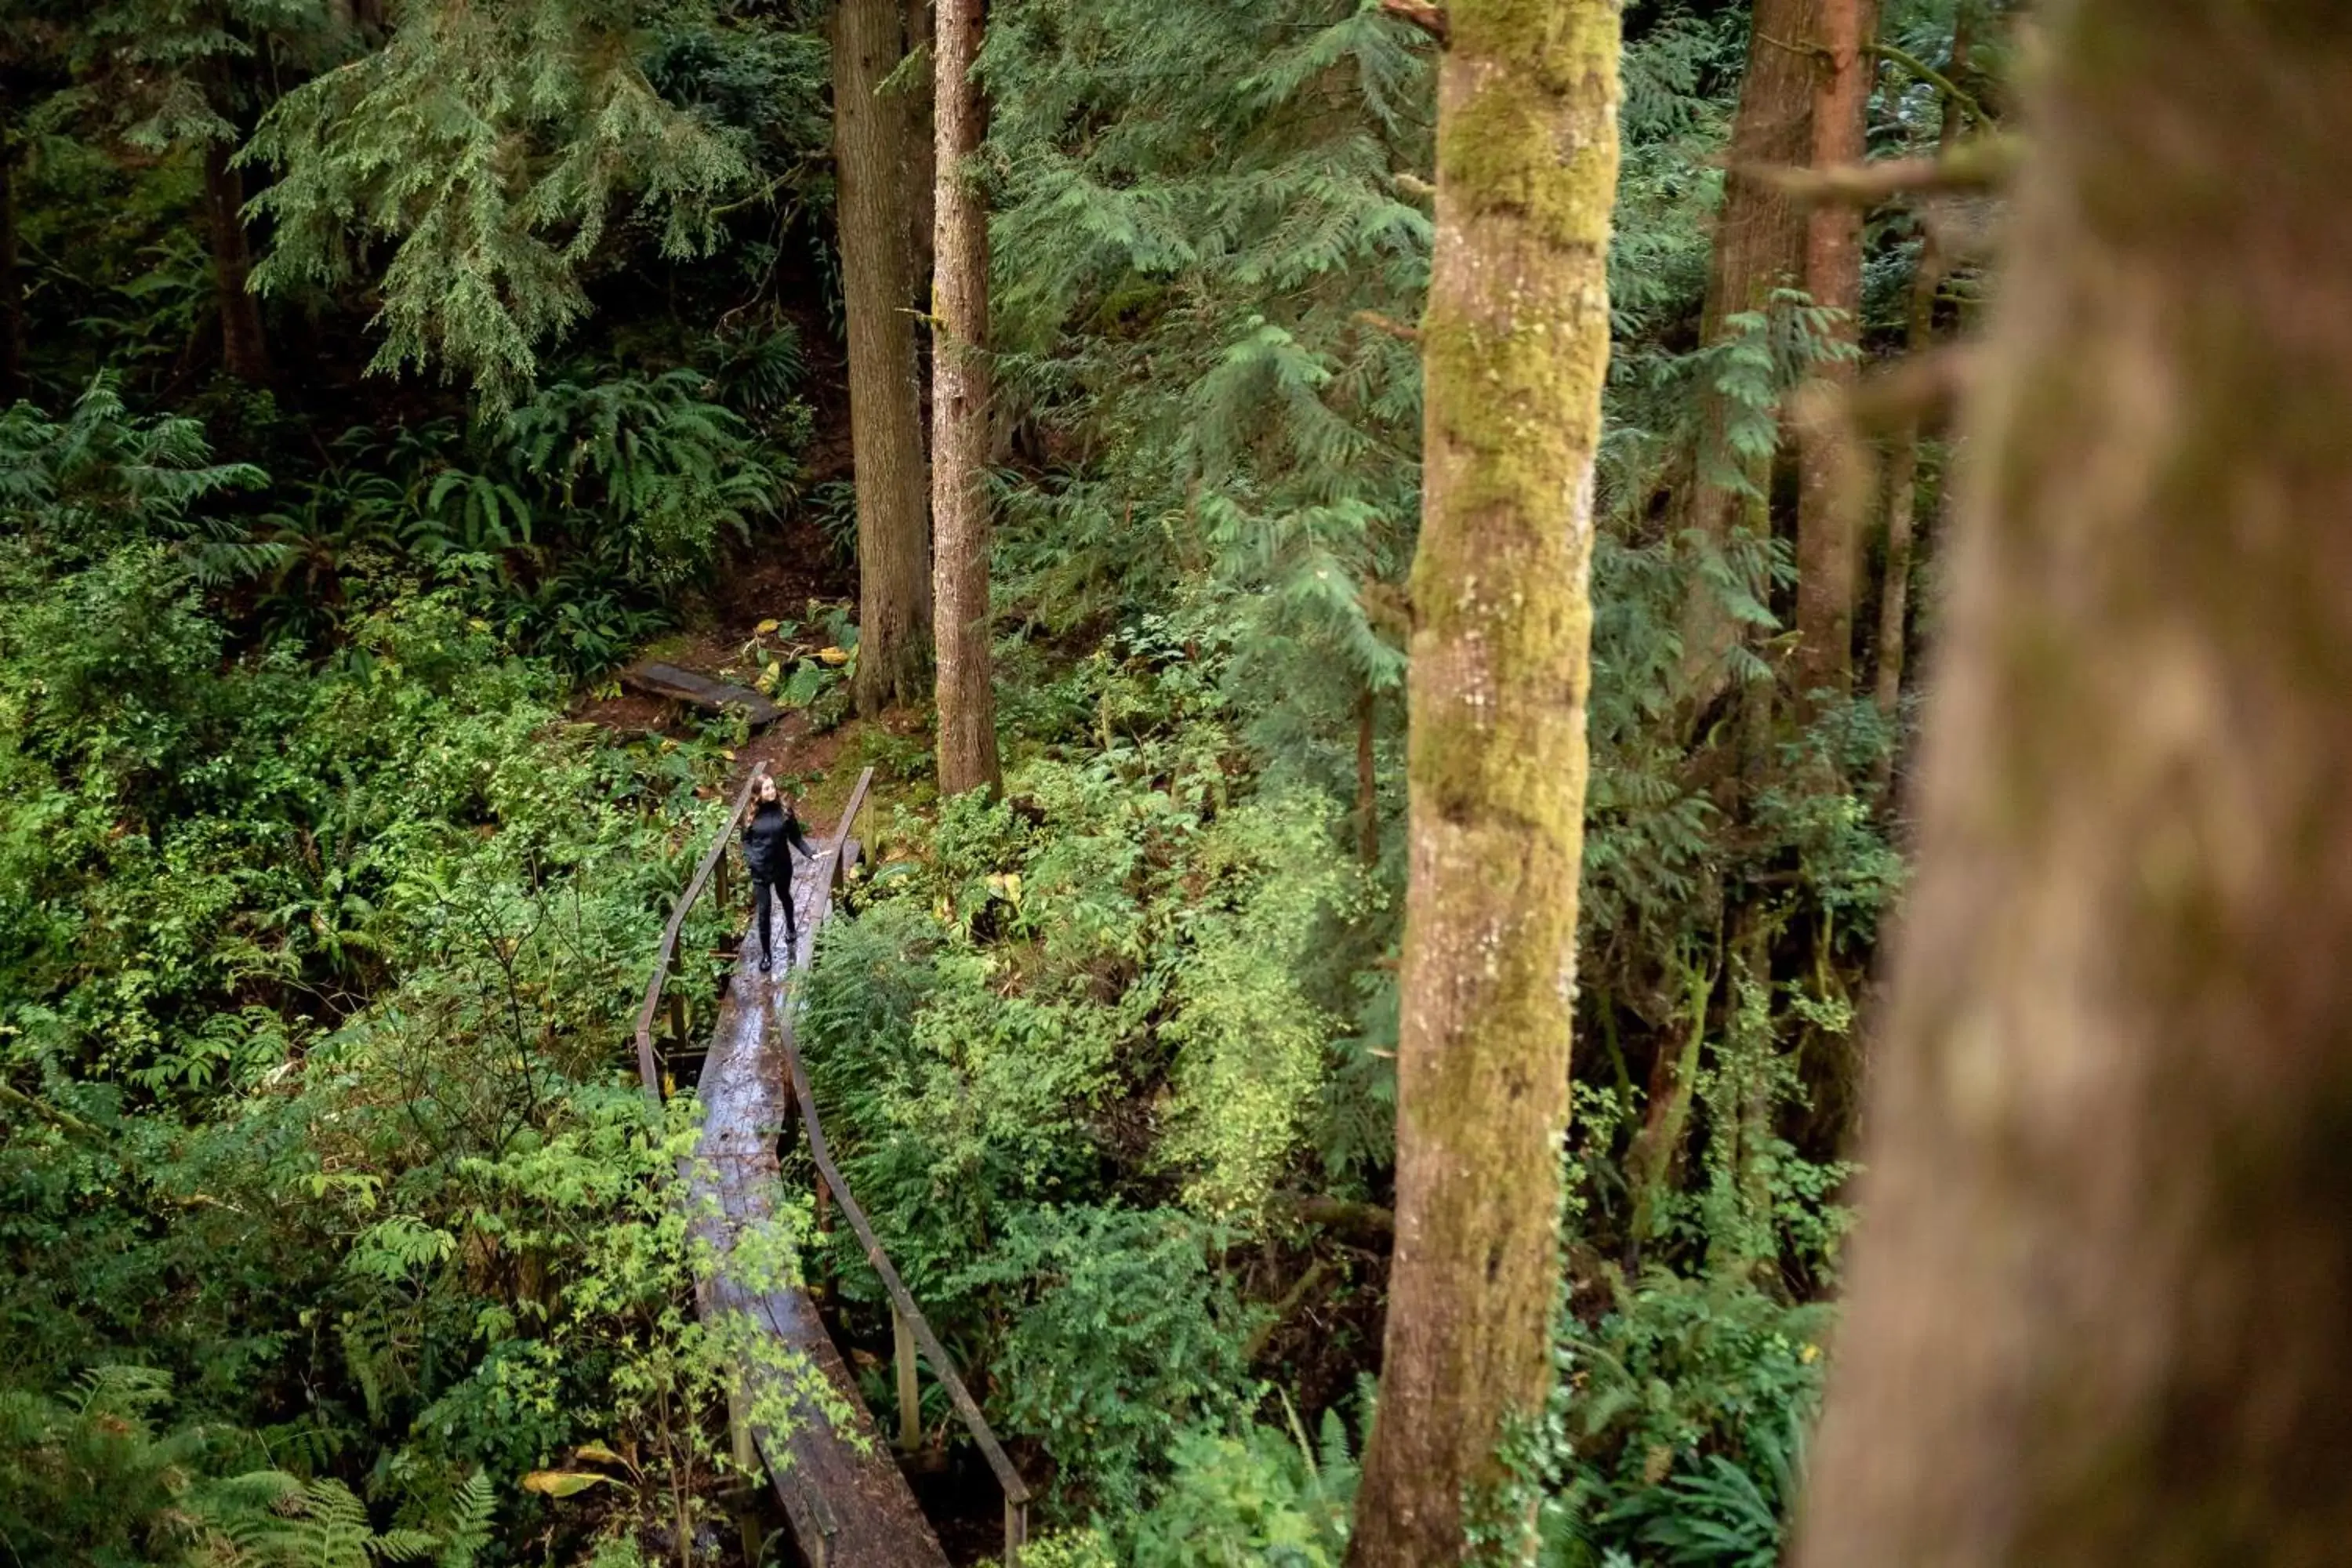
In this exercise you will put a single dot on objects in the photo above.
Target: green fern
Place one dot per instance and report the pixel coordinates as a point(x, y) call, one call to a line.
point(467, 1530)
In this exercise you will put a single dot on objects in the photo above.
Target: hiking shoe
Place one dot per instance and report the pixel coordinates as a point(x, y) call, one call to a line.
point(765, 963)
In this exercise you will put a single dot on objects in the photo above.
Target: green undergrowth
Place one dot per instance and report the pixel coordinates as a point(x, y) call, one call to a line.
point(330, 1207)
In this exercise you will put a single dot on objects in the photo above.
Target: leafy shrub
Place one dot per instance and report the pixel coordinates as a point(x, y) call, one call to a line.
point(1121, 1338)
point(1256, 1495)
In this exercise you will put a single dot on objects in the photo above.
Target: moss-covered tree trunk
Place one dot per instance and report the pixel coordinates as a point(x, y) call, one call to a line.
point(1516, 346)
point(1826, 546)
point(870, 155)
point(1759, 246)
point(2099, 1302)
point(245, 351)
point(960, 416)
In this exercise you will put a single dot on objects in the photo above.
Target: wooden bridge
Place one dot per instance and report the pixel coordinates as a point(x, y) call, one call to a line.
point(840, 1485)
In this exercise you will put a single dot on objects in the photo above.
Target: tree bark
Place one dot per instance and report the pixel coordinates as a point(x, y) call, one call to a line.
point(870, 139)
point(1903, 461)
point(2098, 1301)
point(1515, 347)
point(1760, 246)
point(245, 351)
point(960, 416)
point(919, 25)
point(1826, 545)
point(12, 283)
point(1673, 1077)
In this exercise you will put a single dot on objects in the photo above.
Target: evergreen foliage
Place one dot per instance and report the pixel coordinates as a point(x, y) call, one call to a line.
point(329, 1210)
point(484, 146)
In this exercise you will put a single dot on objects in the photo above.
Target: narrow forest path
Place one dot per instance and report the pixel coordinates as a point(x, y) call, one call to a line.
point(796, 1400)
point(835, 1474)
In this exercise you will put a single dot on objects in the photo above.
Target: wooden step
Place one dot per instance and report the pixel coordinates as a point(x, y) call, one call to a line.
point(655, 678)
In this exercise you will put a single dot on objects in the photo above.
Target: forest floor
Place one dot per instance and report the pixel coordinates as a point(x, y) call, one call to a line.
point(792, 576)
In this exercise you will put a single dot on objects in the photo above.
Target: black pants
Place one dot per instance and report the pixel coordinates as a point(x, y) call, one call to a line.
point(762, 890)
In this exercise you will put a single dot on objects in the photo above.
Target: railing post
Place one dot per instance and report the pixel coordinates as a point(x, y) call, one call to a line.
point(747, 1517)
point(1016, 1532)
point(910, 1416)
point(740, 1429)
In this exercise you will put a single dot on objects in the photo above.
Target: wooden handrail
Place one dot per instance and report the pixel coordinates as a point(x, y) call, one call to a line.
point(907, 1315)
point(1016, 1490)
point(831, 873)
point(902, 1302)
point(648, 1073)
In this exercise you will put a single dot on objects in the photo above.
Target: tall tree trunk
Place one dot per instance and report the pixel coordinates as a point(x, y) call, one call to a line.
point(1903, 461)
point(12, 283)
point(245, 351)
point(1759, 246)
point(960, 416)
point(1826, 545)
point(1515, 347)
point(870, 139)
point(918, 26)
point(2098, 1302)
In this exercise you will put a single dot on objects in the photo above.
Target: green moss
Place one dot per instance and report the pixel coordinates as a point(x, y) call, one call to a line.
point(1514, 351)
point(1529, 140)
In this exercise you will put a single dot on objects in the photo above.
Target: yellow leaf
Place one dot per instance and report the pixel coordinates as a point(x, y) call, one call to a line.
point(764, 627)
point(832, 656)
point(479, 624)
point(599, 1454)
point(766, 680)
point(562, 1483)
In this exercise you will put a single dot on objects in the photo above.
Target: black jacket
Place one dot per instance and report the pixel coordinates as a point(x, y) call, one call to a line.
point(766, 834)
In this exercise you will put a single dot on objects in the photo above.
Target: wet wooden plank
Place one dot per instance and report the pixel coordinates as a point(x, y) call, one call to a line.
point(850, 1506)
point(667, 680)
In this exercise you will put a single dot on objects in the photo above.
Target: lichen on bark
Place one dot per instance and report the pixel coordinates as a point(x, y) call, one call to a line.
point(1514, 345)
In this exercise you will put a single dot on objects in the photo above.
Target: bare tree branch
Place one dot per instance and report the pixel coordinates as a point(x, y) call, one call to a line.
point(1430, 19)
point(1979, 164)
point(1394, 329)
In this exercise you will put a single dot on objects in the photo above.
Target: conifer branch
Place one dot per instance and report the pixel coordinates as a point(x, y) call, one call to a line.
point(1430, 19)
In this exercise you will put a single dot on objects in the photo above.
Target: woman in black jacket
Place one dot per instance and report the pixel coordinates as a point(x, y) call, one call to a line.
point(768, 836)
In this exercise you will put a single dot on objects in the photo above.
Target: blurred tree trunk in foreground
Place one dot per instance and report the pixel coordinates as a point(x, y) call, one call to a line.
point(1514, 352)
point(2099, 1304)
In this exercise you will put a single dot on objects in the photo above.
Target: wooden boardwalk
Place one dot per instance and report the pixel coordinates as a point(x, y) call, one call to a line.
point(674, 684)
point(850, 1506)
point(795, 1401)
